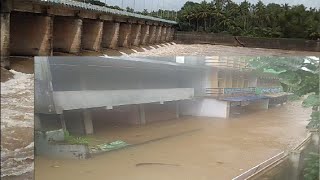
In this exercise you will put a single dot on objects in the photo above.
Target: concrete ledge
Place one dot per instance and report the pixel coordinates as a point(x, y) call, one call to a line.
point(47, 144)
point(68, 100)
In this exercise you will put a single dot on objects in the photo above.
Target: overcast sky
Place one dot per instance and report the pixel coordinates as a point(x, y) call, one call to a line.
point(177, 4)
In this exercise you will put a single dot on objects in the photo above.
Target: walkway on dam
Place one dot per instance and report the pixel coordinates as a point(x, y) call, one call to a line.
point(221, 149)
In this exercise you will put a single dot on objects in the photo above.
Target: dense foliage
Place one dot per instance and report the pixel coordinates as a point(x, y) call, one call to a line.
point(260, 20)
point(301, 77)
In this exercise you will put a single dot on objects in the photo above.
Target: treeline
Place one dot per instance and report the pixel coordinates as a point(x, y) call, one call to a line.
point(246, 19)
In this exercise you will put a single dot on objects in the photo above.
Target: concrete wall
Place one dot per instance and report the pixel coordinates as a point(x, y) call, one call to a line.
point(271, 43)
point(67, 32)
point(91, 34)
point(30, 34)
point(50, 143)
point(125, 35)
point(135, 34)
point(110, 34)
point(206, 107)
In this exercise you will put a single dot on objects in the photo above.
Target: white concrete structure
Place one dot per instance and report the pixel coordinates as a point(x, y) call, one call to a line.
point(207, 107)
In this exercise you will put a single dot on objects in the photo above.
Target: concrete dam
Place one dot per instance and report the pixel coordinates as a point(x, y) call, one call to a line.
point(41, 27)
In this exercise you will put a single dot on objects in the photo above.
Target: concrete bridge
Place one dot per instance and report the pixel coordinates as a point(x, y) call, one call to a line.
point(41, 27)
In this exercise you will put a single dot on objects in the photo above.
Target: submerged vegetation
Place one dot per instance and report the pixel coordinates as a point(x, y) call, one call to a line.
point(75, 140)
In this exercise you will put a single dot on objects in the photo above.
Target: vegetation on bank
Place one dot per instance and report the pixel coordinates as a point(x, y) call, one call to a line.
point(300, 76)
point(244, 19)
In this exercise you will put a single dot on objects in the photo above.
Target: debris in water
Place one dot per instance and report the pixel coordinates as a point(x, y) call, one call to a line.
point(110, 146)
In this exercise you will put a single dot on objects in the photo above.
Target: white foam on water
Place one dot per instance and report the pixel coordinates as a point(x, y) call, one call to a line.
point(17, 101)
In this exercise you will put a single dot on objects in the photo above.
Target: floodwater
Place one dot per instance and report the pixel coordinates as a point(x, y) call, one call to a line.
point(219, 149)
point(17, 126)
point(173, 49)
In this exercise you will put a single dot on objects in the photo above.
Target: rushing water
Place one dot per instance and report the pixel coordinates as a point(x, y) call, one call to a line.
point(221, 149)
point(17, 147)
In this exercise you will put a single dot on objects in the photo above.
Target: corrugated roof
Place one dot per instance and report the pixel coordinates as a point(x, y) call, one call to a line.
point(87, 6)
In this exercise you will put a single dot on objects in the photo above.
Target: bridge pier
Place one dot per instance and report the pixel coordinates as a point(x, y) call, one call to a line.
point(163, 34)
point(67, 32)
point(91, 34)
point(5, 39)
point(124, 35)
point(110, 34)
point(152, 34)
point(145, 28)
point(30, 34)
point(135, 34)
point(158, 34)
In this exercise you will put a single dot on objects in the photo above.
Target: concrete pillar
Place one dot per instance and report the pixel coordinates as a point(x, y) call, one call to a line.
point(91, 34)
point(87, 121)
point(152, 33)
point(37, 122)
point(124, 35)
point(30, 34)
point(63, 122)
point(5, 39)
point(295, 158)
point(136, 34)
point(110, 34)
point(171, 34)
point(177, 110)
point(67, 32)
point(158, 34)
point(168, 34)
point(142, 114)
point(145, 28)
point(163, 34)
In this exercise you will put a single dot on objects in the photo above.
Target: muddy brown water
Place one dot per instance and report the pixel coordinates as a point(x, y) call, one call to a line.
point(222, 149)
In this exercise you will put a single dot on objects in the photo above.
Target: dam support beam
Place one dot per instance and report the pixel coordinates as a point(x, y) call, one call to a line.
point(136, 34)
point(5, 39)
point(145, 34)
point(110, 34)
point(158, 34)
point(30, 34)
point(171, 34)
point(91, 34)
point(163, 34)
point(168, 34)
point(124, 35)
point(152, 34)
point(67, 32)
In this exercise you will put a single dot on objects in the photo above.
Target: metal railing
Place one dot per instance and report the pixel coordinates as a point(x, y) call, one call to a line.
point(227, 92)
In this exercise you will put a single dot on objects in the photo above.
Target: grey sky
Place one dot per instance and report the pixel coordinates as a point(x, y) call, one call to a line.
point(177, 4)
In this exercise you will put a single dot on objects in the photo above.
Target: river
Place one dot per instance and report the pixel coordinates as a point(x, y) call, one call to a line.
point(220, 149)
